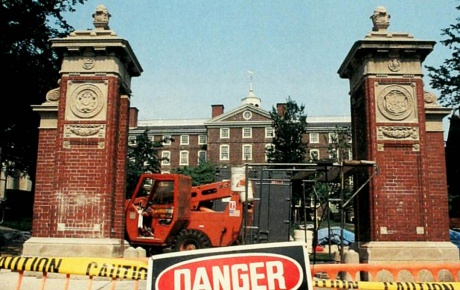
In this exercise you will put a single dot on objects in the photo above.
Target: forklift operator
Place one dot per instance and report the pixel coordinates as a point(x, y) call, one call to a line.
point(161, 195)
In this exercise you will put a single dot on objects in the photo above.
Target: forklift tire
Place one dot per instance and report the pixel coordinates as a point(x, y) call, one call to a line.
point(188, 240)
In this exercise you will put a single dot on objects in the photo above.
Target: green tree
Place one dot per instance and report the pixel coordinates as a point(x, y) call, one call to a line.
point(339, 145)
point(289, 125)
point(142, 158)
point(446, 77)
point(204, 173)
point(31, 70)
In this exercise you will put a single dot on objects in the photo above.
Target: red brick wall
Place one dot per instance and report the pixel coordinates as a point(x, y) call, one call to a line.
point(44, 202)
point(236, 142)
point(86, 192)
point(435, 202)
point(409, 192)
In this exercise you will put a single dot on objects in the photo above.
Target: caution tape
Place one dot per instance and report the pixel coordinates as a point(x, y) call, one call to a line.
point(338, 284)
point(100, 267)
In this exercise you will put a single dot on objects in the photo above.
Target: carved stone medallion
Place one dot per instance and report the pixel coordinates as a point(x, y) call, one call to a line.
point(88, 63)
point(86, 101)
point(395, 103)
point(394, 65)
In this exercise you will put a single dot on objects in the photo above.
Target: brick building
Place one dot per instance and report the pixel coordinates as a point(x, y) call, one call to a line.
point(230, 138)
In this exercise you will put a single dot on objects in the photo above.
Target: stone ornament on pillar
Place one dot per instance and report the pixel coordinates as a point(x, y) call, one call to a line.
point(394, 65)
point(53, 95)
point(86, 101)
point(397, 133)
point(395, 103)
point(101, 18)
point(380, 19)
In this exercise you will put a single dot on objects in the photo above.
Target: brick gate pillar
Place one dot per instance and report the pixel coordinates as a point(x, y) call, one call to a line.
point(403, 215)
point(81, 166)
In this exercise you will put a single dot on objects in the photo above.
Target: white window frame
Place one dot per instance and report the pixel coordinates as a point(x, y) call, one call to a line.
point(183, 160)
point(246, 155)
point(330, 135)
point(199, 156)
point(221, 152)
point(222, 133)
point(337, 153)
point(166, 154)
point(314, 138)
point(167, 138)
point(184, 139)
point(132, 140)
point(246, 132)
point(266, 147)
point(269, 132)
point(314, 150)
point(202, 139)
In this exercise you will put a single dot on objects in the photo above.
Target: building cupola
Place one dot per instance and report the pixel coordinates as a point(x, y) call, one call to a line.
point(251, 98)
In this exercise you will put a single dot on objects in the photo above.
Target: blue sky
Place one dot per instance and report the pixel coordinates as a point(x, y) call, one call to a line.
point(198, 53)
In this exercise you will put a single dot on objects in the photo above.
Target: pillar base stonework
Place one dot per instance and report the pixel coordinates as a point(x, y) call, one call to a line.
point(407, 252)
point(74, 247)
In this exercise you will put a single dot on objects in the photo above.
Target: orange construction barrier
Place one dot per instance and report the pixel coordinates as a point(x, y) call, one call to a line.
point(132, 274)
point(108, 271)
point(419, 272)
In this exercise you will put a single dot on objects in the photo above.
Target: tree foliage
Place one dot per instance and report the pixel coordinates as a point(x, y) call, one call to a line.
point(339, 145)
point(289, 126)
point(204, 173)
point(446, 77)
point(142, 158)
point(30, 71)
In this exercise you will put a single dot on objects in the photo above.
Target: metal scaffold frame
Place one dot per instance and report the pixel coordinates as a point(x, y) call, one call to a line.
point(333, 175)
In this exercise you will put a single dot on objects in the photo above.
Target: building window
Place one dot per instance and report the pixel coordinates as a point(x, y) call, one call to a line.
point(268, 148)
point(224, 132)
point(224, 152)
point(247, 132)
point(202, 139)
point(165, 158)
point(184, 140)
point(333, 137)
point(183, 158)
point(167, 139)
point(269, 132)
point(201, 156)
point(247, 152)
point(314, 155)
point(132, 140)
point(314, 137)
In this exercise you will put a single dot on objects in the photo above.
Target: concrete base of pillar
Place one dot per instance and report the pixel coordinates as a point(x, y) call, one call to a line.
point(398, 252)
point(74, 247)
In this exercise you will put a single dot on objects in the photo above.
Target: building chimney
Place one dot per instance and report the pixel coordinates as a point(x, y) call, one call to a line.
point(280, 107)
point(133, 113)
point(217, 110)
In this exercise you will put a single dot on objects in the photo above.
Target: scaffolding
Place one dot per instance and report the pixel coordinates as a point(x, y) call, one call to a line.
point(332, 177)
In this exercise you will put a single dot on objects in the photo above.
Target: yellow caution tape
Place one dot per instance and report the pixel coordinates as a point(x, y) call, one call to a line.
point(338, 284)
point(101, 267)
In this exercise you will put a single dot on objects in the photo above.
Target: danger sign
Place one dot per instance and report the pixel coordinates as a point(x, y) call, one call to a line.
point(262, 266)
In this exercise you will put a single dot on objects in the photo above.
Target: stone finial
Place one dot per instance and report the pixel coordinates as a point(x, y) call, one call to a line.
point(380, 19)
point(101, 18)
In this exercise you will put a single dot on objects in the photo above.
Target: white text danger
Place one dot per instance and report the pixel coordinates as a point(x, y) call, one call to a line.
point(256, 276)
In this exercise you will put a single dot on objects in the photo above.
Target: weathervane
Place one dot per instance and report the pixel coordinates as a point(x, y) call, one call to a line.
point(250, 73)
